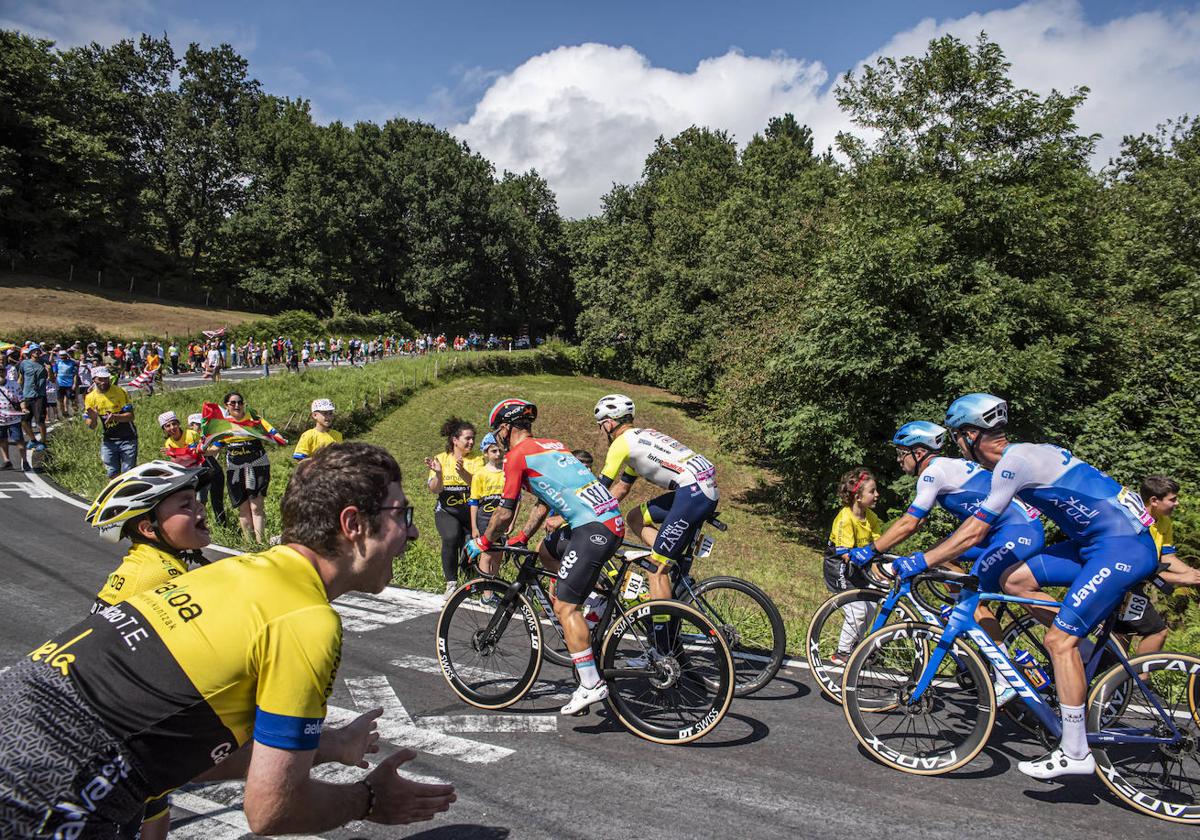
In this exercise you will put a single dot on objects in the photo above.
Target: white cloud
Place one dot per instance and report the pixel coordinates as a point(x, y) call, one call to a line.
point(586, 116)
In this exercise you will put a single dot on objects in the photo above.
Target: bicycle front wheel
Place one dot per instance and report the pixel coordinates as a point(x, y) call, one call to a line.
point(939, 732)
point(837, 627)
point(751, 625)
point(489, 655)
point(672, 690)
point(1161, 780)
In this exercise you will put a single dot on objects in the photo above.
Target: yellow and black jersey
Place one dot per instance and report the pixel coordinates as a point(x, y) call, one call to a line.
point(186, 673)
point(455, 491)
point(487, 488)
point(144, 567)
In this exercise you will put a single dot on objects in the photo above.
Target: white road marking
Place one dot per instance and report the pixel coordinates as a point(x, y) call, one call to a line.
point(22, 488)
point(491, 723)
point(362, 613)
point(396, 725)
point(428, 665)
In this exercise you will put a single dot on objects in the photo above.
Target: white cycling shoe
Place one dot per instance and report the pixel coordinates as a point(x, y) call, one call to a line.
point(584, 697)
point(1057, 764)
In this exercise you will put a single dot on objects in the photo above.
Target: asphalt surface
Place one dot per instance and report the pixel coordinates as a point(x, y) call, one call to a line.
point(782, 764)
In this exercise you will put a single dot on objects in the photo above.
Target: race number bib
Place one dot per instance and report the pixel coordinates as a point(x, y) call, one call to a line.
point(1133, 503)
point(597, 497)
point(700, 467)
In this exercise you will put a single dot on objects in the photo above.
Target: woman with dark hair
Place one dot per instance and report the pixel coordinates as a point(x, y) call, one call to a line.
point(247, 469)
point(450, 474)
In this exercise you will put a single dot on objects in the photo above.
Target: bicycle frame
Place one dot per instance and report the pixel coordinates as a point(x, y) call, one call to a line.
point(962, 622)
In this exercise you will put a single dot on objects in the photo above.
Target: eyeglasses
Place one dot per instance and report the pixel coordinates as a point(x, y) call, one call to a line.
point(408, 513)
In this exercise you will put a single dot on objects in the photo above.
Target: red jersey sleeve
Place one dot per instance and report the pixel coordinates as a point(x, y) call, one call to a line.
point(514, 475)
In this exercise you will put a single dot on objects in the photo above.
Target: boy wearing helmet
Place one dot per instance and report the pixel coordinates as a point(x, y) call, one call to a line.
point(155, 507)
point(548, 470)
point(668, 522)
point(1108, 536)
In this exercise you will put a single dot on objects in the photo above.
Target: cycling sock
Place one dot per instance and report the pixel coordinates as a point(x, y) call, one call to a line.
point(585, 666)
point(1074, 738)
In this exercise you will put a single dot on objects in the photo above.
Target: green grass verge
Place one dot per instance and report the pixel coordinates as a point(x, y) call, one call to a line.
point(362, 395)
point(759, 545)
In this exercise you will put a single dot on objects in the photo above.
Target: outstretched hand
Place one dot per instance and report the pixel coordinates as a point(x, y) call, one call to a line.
point(351, 743)
point(399, 800)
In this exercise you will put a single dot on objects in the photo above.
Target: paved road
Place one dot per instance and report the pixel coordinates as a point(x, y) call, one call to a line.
point(782, 765)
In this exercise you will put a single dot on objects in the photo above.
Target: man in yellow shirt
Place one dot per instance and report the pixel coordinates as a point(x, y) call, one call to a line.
point(107, 406)
point(321, 435)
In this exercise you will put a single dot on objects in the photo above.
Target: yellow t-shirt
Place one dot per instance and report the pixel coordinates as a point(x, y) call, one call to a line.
point(454, 490)
point(1163, 531)
point(185, 451)
point(487, 486)
point(112, 401)
point(314, 439)
point(144, 567)
point(851, 532)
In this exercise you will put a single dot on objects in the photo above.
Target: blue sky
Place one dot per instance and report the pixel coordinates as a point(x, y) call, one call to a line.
point(516, 82)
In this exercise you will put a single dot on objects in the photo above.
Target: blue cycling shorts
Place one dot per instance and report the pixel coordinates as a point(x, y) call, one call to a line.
point(678, 515)
point(1006, 547)
point(1111, 566)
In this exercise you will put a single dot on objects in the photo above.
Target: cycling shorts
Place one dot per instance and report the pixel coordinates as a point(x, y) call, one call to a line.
point(678, 515)
point(581, 552)
point(1111, 566)
point(1150, 622)
point(1006, 547)
point(63, 774)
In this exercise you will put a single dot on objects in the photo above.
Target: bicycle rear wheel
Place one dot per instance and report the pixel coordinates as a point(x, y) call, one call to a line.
point(837, 626)
point(490, 656)
point(1162, 780)
point(751, 625)
point(671, 696)
point(942, 731)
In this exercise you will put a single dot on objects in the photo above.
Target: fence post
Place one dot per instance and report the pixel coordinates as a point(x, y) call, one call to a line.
point(130, 284)
point(97, 277)
point(71, 276)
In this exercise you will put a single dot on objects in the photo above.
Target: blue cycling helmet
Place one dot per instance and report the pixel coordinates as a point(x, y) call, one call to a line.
point(920, 433)
point(983, 411)
point(488, 440)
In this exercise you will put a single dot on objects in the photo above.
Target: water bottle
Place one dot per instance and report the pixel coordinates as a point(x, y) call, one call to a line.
point(1033, 672)
point(945, 613)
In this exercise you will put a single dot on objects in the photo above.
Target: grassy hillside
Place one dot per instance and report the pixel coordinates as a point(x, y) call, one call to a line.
point(758, 545)
point(29, 305)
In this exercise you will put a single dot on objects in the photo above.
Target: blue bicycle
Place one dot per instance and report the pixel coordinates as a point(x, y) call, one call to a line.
point(919, 698)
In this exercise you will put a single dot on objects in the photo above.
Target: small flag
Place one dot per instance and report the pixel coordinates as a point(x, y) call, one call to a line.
point(142, 379)
point(218, 427)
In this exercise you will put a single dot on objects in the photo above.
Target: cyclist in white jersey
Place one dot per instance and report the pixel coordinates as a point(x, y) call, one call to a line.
point(668, 522)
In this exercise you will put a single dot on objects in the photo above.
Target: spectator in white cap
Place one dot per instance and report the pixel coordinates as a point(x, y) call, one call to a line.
point(321, 435)
point(108, 406)
point(183, 446)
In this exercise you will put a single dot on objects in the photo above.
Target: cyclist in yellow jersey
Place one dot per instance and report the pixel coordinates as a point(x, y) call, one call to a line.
point(322, 433)
point(668, 522)
point(153, 692)
point(155, 507)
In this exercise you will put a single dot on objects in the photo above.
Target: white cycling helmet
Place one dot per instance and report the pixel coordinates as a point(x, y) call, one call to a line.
point(613, 407)
point(137, 491)
point(983, 411)
point(920, 433)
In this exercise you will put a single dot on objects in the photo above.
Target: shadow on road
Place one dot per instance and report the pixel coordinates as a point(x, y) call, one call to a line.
point(780, 688)
point(460, 832)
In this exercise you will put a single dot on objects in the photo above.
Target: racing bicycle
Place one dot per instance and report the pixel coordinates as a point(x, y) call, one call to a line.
point(919, 698)
point(491, 654)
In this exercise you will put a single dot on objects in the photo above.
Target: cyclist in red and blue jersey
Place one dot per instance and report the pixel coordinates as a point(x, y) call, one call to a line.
point(548, 470)
point(1108, 536)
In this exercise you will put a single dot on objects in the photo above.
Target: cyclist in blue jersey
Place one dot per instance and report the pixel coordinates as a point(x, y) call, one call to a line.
point(959, 486)
point(548, 470)
point(1108, 536)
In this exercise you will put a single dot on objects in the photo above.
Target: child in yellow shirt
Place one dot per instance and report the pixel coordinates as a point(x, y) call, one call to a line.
point(322, 433)
point(855, 525)
point(487, 486)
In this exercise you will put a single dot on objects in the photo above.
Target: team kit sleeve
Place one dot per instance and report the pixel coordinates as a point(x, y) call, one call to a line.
point(304, 446)
point(842, 532)
point(1007, 479)
point(298, 657)
point(514, 475)
point(928, 484)
point(477, 489)
point(614, 461)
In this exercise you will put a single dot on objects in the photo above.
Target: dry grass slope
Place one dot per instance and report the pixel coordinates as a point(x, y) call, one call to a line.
point(30, 304)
